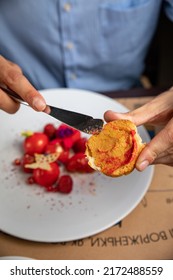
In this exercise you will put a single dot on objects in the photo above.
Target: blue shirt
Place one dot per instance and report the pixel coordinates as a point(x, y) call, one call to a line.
point(97, 45)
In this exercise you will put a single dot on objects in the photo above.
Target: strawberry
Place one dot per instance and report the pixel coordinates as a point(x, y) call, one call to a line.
point(65, 184)
point(50, 149)
point(64, 156)
point(53, 147)
point(67, 143)
point(68, 135)
point(78, 163)
point(35, 143)
point(46, 178)
point(57, 148)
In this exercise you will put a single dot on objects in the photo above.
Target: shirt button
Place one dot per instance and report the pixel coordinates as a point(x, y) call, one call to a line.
point(73, 76)
point(69, 45)
point(67, 7)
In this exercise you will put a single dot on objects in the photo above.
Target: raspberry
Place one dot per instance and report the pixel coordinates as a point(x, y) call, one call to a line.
point(50, 130)
point(65, 184)
point(78, 163)
point(80, 145)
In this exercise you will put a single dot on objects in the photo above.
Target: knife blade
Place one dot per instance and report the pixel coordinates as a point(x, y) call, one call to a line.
point(79, 121)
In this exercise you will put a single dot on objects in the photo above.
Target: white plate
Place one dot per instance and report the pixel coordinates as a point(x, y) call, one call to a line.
point(14, 258)
point(97, 201)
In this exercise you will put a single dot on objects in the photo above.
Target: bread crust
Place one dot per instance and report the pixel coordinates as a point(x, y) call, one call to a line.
point(115, 149)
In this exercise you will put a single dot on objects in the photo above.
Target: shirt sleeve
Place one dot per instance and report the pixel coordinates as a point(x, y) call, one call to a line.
point(169, 9)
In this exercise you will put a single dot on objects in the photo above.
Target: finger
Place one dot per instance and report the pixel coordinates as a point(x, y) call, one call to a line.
point(166, 153)
point(137, 116)
point(7, 104)
point(157, 111)
point(162, 142)
point(166, 157)
point(167, 160)
point(11, 75)
point(111, 116)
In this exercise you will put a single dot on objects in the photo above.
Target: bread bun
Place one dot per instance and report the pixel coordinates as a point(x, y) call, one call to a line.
point(115, 149)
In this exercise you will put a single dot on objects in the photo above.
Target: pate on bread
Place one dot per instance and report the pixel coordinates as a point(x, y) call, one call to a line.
point(115, 149)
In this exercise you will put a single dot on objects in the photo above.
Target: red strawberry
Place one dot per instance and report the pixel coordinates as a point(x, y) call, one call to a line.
point(56, 141)
point(67, 143)
point(65, 184)
point(35, 143)
point(53, 148)
point(78, 163)
point(46, 177)
point(68, 135)
point(64, 156)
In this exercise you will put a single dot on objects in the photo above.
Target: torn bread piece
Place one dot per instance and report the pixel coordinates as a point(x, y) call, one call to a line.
point(115, 149)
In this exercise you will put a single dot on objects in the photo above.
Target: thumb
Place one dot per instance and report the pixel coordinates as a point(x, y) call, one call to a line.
point(137, 116)
point(157, 146)
point(111, 116)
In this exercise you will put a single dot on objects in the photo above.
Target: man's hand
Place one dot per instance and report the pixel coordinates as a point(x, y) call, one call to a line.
point(158, 112)
point(12, 77)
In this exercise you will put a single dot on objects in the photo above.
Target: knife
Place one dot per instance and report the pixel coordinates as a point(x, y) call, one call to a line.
point(79, 121)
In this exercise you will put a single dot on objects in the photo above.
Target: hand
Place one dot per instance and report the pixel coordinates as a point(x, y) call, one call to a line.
point(157, 112)
point(11, 76)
